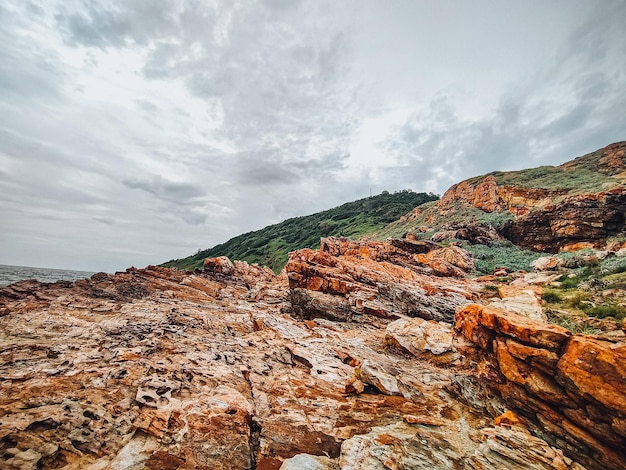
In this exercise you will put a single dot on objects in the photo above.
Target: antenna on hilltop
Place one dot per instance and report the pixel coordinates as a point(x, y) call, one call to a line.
point(370, 191)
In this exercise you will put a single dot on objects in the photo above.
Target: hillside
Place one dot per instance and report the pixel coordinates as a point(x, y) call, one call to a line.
point(270, 245)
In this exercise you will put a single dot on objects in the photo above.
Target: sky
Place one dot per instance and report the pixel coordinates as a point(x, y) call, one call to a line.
point(133, 132)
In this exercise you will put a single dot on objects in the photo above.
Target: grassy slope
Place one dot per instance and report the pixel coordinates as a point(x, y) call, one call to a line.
point(270, 245)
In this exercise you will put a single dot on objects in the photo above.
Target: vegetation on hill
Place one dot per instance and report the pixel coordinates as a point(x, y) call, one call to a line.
point(584, 174)
point(270, 245)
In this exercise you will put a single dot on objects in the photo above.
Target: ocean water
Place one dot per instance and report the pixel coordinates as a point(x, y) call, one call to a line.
point(11, 274)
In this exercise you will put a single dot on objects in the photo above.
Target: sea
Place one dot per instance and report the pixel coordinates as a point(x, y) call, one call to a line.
point(11, 274)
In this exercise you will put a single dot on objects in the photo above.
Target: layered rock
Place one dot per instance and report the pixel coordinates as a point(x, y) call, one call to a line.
point(157, 368)
point(345, 279)
point(330, 365)
point(581, 217)
point(570, 386)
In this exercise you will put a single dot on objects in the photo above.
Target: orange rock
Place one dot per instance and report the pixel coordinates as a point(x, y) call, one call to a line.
point(596, 368)
point(472, 317)
point(508, 418)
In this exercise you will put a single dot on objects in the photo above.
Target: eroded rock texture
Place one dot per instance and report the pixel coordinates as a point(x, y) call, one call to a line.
point(572, 387)
point(338, 363)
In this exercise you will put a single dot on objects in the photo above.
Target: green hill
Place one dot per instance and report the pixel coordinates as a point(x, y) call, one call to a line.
point(270, 245)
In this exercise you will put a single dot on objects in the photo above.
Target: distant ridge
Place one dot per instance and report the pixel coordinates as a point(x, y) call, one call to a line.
point(270, 245)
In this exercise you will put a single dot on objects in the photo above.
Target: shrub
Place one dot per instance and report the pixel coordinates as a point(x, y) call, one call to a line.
point(500, 253)
point(570, 283)
point(603, 311)
point(551, 297)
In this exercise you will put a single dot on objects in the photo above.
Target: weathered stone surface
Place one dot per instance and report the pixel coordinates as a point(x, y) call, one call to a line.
point(546, 263)
point(375, 375)
point(570, 387)
point(581, 217)
point(381, 279)
point(309, 462)
point(416, 335)
point(478, 323)
point(474, 233)
point(401, 445)
point(517, 449)
point(161, 369)
point(595, 368)
point(523, 302)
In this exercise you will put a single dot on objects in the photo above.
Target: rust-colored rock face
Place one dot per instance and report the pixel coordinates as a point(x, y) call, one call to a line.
point(558, 215)
point(578, 218)
point(337, 363)
point(573, 386)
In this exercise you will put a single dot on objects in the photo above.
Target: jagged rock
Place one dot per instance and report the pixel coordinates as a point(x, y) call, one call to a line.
point(524, 302)
point(381, 279)
point(373, 374)
point(417, 336)
point(475, 234)
point(570, 387)
point(219, 265)
point(594, 216)
point(401, 445)
point(546, 218)
point(159, 368)
point(517, 449)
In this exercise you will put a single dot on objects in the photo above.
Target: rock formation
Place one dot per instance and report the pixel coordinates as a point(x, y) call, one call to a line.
point(543, 209)
point(349, 359)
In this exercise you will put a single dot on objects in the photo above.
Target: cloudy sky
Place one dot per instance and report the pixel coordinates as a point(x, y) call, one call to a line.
point(136, 131)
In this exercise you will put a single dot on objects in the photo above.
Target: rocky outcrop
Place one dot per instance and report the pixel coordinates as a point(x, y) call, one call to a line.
point(330, 365)
point(589, 217)
point(344, 280)
point(157, 368)
point(570, 386)
point(473, 233)
point(549, 208)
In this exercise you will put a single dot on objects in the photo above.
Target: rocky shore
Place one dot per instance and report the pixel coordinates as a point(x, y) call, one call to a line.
point(377, 355)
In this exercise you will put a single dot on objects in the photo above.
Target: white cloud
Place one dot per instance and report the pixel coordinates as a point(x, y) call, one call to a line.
point(135, 132)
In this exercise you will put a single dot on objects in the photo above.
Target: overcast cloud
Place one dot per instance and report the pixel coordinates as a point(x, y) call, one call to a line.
point(136, 131)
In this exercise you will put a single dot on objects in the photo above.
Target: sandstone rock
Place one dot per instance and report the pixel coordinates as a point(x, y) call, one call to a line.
point(385, 279)
point(516, 449)
point(597, 369)
point(219, 265)
point(158, 368)
point(571, 387)
point(478, 324)
point(546, 263)
point(417, 336)
point(475, 234)
point(581, 217)
point(309, 462)
point(373, 374)
point(523, 302)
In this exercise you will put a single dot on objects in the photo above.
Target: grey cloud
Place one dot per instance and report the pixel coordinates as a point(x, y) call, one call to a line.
point(256, 170)
point(104, 220)
point(171, 191)
point(25, 71)
point(146, 105)
point(104, 24)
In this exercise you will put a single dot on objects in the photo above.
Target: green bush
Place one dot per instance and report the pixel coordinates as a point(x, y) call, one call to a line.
point(500, 253)
point(613, 265)
point(551, 297)
point(603, 311)
point(570, 283)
